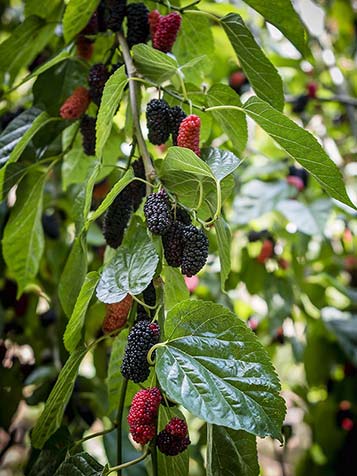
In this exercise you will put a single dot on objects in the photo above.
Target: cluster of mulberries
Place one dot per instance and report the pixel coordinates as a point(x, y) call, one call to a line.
point(158, 121)
point(76, 105)
point(138, 24)
point(87, 128)
point(189, 134)
point(163, 121)
point(158, 214)
point(143, 415)
point(117, 314)
point(142, 337)
point(173, 439)
point(177, 116)
point(98, 76)
point(117, 218)
point(164, 30)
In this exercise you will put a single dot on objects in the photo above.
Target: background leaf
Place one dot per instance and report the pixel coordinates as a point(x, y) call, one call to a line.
point(80, 464)
point(109, 104)
point(51, 417)
point(175, 290)
point(132, 267)
point(232, 122)
point(215, 367)
point(221, 162)
point(115, 377)
point(262, 75)
point(344, 327)
point(309, 218)
point(23, 241)
point(224, 238)
point(231, 452)
point(301, 145)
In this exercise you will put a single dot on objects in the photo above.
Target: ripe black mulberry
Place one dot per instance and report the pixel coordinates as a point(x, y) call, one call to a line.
point(158, 212)
point(158, 121)
point(138, 24)
point(195, 251)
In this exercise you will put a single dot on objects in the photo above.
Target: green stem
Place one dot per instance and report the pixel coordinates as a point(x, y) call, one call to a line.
point(129, 463)
point(207, 14)
point(152, 350)
point(219, 205)
point(93, 435)
point(183, 87)
point(142, 303)
point(123, 388)
point(154, 462)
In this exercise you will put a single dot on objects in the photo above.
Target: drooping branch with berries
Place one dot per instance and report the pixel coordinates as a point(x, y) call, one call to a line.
point(142, 156)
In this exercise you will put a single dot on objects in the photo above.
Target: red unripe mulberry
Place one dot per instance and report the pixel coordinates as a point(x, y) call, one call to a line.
point(84, 47)
point(237, 79)
point(312, 89)
point(76, 105)
point(154, 18)
point(266, 252)
point(143, 415)
point(166, 31)
point(117, 315)
point(296, 182)
point(189, 134)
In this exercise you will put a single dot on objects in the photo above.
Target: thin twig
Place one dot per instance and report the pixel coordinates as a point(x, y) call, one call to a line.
point(129, 463)
point(124, 386)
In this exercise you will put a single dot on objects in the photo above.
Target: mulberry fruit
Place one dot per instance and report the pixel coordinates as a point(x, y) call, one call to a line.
point(154, 18)
point(189, 134)
point(177, 116)
point(138, 24)
point(117, 314)
point(116, 219)
point(116, 10)
point(143, 414)
point(254, 236)
point(142, 337)
point(158, 213)
point(158, 121)
point(183, 216)
point(47, 318)
point(84, 47)
point(266, 252)
point(92, 26)
point(173, 244)
point(300, 103)
point(76, 105)
point(98, 76)
point(87, 128)
point(166, 31)
point(174, 438)
point(149, 295)
point(298, 173)
point(238, 81)
point(195, 250)
point(138, 189)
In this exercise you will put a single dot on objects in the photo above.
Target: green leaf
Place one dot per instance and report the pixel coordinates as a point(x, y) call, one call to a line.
point(224, 239)
point(76, 17)
point(185, 174)
point(310, 218)
point(262, 75)
point(23, 241)
point(232, 122)
point(115, 377)
point(344, 327)
point(132, 267)
point(231, 452)
point(73, 332)
point(301, 145)
point(110, 197)
point(175, 289)
point(17, 51)
point(195, 39)
point(281, 14)
point(171, 465)
point(40, 121)
point(73, 275)
point(221, 162)
point(112, 94)
point(51, 417)
point(215, 367)
point(153, 64)
point(80, 464)
point(41, 9)
point(14, 132)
